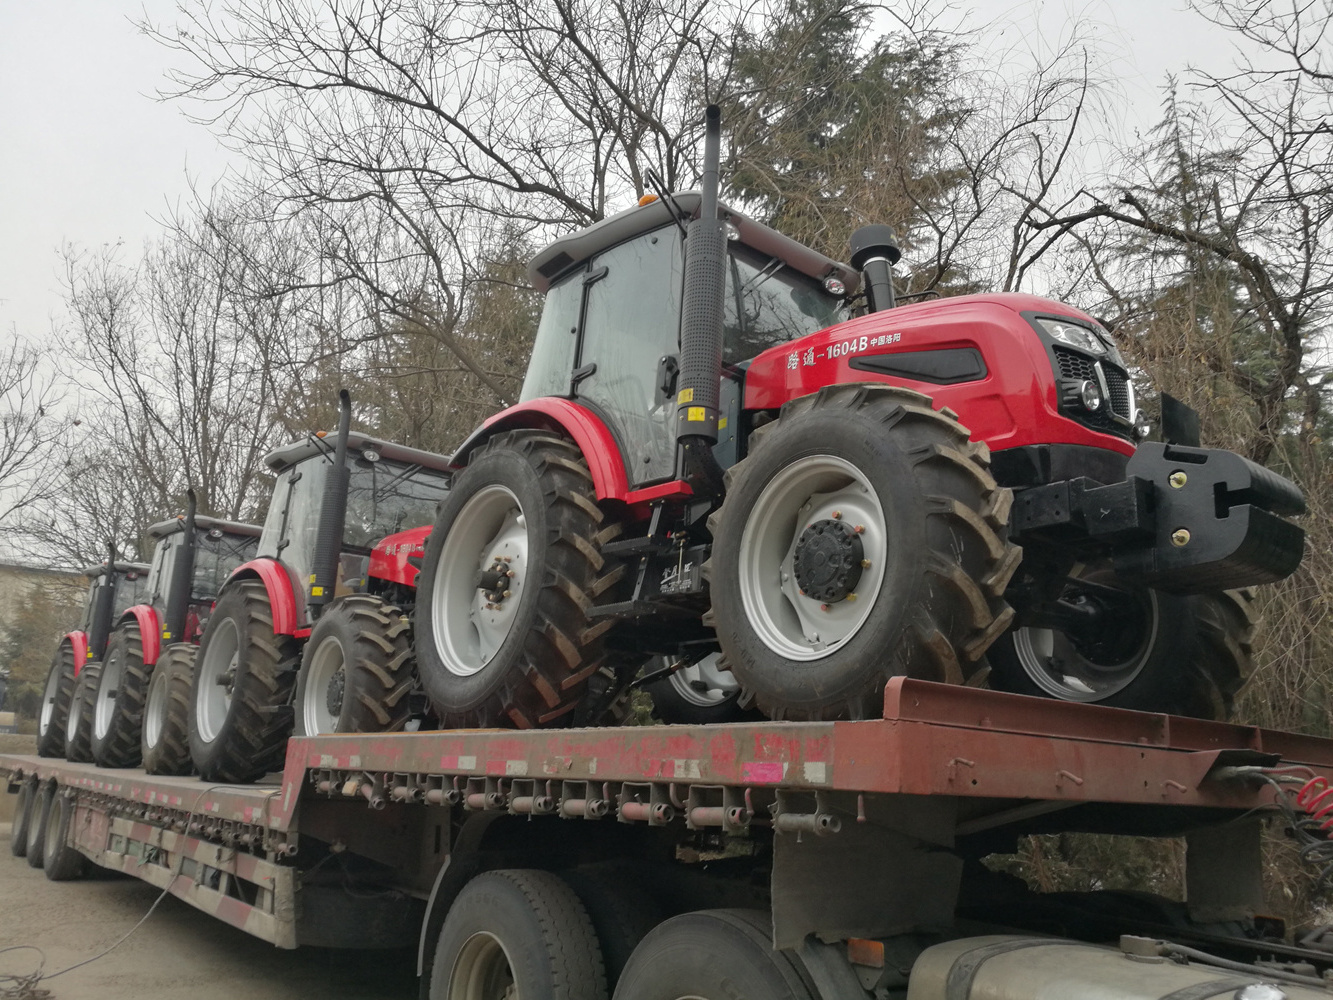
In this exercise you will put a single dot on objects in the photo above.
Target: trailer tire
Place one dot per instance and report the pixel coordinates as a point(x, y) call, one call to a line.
point(36, 849)
point(79, 728)
point(526, 496)
point(357, 670)
point(621, 917)
point(698, 695)
point(118, 702)
point(56, 697)
point(713, 955)
point(62, 861)
point(24, 803)
point(240, 735)
point(901, 566)
point(520, 927)
point(166, 720)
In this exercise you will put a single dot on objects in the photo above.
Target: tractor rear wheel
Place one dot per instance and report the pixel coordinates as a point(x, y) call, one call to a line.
point(356, 670)
point(510, 570)
point(166, 716)
point(241, 713)
point(1141, 649)
point(56, 698)
point(119, 699)
point(79, 728)
point(862, 538)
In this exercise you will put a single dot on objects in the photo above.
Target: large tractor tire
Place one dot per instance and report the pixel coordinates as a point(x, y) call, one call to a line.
point(1148, 650)
point(356, 670)
point(166, 717)
point(863, 537)
point(56, 697)
point(240, 701)
point(698, 694)
point(713, 955)
point(79, 728)
point(517, 933)
point(510, 570)
point(119, 700)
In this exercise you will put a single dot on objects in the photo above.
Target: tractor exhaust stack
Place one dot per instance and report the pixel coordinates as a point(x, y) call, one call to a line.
point(874, 252)
point(702, 313)
point(182, 578)
point(99, 629)
point(332, 513)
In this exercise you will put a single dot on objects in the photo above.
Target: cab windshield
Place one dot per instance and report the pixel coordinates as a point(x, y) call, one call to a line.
point(384, 497)
point(131, 589)
point(216, 555)
point(769, 303)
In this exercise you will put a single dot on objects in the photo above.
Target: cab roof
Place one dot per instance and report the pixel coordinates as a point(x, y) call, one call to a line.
point(309, 446)
point(164, 528)
point(99, 569)
point(578, 246)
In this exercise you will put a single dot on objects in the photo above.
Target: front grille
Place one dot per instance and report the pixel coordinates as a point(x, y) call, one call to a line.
point(1079, 367)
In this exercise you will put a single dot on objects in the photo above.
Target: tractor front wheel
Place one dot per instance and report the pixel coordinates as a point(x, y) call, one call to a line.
point(241, 712)
point(57, 696)
point(863, 537)
point(79, 727)
point(356, 670)
point(510, 571)
point(166, 716)
point(119, 699)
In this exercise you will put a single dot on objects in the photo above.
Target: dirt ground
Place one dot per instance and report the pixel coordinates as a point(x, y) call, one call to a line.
point(177, 953)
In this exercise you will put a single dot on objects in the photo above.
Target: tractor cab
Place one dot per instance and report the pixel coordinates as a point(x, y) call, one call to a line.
point(110, 595)
point(389, 488)
point(610, 329)
point(194, 555)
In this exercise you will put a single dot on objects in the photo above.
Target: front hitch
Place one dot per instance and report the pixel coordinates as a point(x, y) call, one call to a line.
point(1185, 520)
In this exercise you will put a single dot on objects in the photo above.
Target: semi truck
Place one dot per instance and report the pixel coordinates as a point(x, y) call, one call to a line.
point(838, 860)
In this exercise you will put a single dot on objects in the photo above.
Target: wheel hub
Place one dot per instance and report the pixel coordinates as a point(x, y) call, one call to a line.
point(828, 560)
point(227, 680)
point(495, 581)
point(333, 694)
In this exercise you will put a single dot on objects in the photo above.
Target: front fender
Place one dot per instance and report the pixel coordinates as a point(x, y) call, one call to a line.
point(79, 643)
point(282, 587)
point(150, 633)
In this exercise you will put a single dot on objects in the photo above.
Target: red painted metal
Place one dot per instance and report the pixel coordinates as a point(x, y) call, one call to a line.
point(565, 416)
point(673, 489)
point(79, 643)
point(282, 587)
point(391, 557)
point(1014, 405)
point(149, 630)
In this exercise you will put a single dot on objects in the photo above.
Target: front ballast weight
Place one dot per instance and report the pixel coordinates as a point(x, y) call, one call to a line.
point(1185, 520)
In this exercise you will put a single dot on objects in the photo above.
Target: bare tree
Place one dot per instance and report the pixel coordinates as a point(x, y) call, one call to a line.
point(30, 431)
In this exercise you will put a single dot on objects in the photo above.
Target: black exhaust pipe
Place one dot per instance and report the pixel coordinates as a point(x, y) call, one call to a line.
point(702, 314)
point(332, 513)
point(182, 578)
point(99, 629)
point(874, 252)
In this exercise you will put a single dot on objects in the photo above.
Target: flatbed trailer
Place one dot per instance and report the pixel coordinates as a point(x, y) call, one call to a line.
point(855, 847)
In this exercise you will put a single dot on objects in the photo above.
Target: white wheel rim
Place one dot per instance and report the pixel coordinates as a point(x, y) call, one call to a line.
point(327, 668)
point(155, 712)
point(810, 489)
point(482, 971)
point(1053, 662)
point(489, 531)
point(108, 688)
point(217, 676)
point(702, 684)
point(49, 695)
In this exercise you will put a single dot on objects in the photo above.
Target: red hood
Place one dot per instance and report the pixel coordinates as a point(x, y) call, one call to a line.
point(397, 557)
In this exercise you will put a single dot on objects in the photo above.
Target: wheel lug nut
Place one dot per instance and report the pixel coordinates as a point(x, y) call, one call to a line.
point(507, 593)
point(850, 597)
point(860, 529)
point(837, 515)
point(823, 607)
point(865, 563)
point(509, 573)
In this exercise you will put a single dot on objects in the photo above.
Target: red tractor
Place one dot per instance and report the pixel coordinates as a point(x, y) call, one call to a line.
point(113, 586)
point(313, 633)
point(714, 455)
point(135, 698)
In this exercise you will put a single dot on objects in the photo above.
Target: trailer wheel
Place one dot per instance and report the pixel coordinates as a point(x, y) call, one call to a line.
point(62, 861)
point(241, 712)
point(24, 804)
point(56, 698)
point(509, 572)
point(863, 537)
point(166, 717)
point(517, 933)
point(713, 955)
point(356, 670)
point(79, 728)
point(118, 702)
point(621, 916)
point(698, 694)
point(41, 812)
point(1149, 650)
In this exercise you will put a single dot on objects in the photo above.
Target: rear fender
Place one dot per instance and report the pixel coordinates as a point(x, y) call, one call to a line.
point(282, 588)
point(150, 631)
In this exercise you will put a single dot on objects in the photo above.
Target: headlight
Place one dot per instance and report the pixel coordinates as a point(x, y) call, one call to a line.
point(1090, 395)
point(1073, 335)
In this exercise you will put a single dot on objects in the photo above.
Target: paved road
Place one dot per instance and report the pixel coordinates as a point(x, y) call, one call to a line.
point(178, 954)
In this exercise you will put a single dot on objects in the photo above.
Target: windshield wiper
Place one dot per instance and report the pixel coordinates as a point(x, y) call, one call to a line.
point(768, 270)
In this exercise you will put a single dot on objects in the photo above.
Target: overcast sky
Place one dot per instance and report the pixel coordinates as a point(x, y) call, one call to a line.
point(88, 156)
